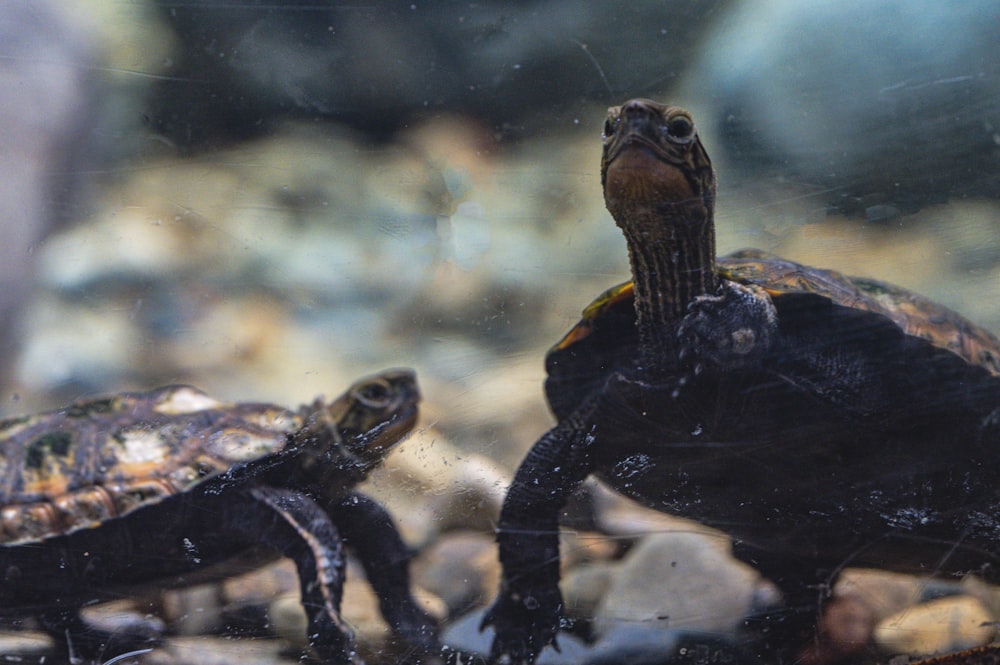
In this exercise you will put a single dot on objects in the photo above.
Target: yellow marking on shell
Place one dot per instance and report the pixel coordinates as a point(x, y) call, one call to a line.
point(41, 484)
point(80, 509)
point(602, 303)
point(141, 446)
point(129, 496)
point(186, 399)
point(610, 297)
point(234, 445)
point(85, 507)
point(28, 521)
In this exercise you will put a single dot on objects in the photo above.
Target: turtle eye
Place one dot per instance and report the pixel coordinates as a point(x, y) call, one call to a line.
point(680, 128)
point(376, 393)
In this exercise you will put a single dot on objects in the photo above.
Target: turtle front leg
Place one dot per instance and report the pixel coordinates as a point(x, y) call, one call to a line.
point(527, 613)
point(296, 526)
point(732, 329)
point(369, 531)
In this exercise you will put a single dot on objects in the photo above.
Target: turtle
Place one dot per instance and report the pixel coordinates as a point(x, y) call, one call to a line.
point(172, 487)
point(818, 419)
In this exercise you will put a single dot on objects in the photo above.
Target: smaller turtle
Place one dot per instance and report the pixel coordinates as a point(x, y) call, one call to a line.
point(168, 486)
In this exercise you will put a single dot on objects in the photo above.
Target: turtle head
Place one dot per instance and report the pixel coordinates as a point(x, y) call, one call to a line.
point(654, 166)
point(361, 426)
point(660, 188)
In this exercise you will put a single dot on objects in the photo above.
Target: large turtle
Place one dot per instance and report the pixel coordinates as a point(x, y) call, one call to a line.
point(167, 486)
point(821, 420)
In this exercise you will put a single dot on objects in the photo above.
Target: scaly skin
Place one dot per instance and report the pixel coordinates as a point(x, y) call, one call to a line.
point(833, 435)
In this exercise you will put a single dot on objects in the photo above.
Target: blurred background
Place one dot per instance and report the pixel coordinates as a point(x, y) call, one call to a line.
point(268, 199)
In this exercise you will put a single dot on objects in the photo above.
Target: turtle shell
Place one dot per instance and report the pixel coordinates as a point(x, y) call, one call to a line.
point(98, 459)
point(606, 340)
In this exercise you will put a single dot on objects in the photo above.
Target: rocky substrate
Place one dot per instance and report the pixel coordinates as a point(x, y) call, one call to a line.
point(287, 266)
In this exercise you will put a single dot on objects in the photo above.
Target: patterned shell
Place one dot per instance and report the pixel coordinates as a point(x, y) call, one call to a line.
point(914, 314)
point(97, 459)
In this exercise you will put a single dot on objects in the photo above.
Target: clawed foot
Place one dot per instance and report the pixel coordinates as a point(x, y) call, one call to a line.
point(417, 628)
point(729, 330)
point(525, 624)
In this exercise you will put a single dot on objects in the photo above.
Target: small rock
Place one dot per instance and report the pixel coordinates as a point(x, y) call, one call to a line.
point(216, 651)
point(194, 610)
point(883, 593)
point(585, 586)
point(935, 627)
point(635, 644)
point(126, 616)
point(844, 629)
point(288, 619)
point(25, 643)
point(988, 594)
point(681, 580)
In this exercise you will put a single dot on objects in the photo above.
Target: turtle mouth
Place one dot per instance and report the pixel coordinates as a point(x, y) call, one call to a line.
point(637, 140)
point(376, 443)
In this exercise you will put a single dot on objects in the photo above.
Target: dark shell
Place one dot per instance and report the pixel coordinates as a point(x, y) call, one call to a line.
point(97, 459)
point(605, 336)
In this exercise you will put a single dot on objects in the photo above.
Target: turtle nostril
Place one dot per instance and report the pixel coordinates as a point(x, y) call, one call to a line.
point(633, 106)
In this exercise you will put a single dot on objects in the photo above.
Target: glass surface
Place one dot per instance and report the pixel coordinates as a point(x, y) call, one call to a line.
point(269, 200)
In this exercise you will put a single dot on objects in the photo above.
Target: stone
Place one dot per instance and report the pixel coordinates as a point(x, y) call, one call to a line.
point(883, 593)
point(215, 651)
point(681, 580)
point(25, 643)
point(584, 587)
point(194, 610)
point(936, 627)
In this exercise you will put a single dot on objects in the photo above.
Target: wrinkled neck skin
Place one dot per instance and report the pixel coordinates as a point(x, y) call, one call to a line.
point(672, 254)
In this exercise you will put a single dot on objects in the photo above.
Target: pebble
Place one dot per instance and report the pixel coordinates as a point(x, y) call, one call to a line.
point(25, 643)
point(125, 616)
point(880, 592)
point(937, 627)
point(680, 580)
point(584, 587)
point(195, 610)
point(205, 650)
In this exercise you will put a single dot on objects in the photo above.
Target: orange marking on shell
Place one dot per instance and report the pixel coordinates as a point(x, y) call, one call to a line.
point(46, 485)
point(28, 521)
point(609, 298)
point(129, 496)
point(88, 506)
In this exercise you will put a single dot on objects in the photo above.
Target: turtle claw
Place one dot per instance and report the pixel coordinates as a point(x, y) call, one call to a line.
point(731, 329)
point(523, 629)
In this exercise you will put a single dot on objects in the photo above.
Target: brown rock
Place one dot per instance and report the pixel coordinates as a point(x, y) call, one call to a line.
point(682, 579)
point(939, 626)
